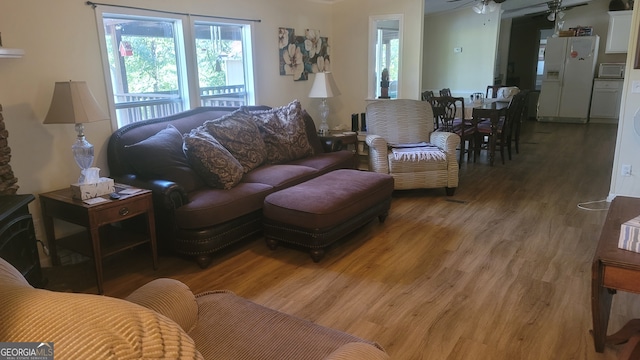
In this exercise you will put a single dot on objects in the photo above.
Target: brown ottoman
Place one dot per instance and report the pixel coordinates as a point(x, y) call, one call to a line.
point(318, 212)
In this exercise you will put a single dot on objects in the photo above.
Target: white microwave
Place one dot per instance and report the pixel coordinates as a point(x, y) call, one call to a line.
point(611, 70)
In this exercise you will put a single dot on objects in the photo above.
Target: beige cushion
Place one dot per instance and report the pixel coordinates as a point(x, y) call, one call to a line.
point(212, 161)
point(85, 326)
point(239, 134)
point(283, 132)
point(10, 276)
point(170, 298)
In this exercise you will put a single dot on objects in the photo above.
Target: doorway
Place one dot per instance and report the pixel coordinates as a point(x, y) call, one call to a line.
point(544, 34)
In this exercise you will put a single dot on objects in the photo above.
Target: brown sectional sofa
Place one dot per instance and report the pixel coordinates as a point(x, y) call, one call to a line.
point(194, 218)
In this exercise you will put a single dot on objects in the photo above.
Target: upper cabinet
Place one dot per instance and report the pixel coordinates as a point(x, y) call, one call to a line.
point(619, 31)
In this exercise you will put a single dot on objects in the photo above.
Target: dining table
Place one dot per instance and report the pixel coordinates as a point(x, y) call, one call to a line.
point(492, 109)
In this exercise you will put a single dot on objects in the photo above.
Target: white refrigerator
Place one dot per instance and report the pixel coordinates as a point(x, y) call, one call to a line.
point(569, 67)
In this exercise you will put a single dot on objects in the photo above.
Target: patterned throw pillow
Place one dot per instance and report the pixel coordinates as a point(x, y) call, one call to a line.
point(239, 134)
point(215, 164)
point(162, 156)
point(283, 131)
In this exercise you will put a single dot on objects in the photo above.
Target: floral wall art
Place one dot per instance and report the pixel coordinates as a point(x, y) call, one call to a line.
point(301, 55)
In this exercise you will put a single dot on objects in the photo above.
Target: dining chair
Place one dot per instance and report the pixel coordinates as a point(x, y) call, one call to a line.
point(501, 137)
point(514, 133)
point(428, 95)
point(445, 92)
point(492, 91)
point(453, 120)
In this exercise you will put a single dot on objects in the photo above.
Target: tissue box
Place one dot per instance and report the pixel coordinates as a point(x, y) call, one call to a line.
point(104, 186)
point(630, 235)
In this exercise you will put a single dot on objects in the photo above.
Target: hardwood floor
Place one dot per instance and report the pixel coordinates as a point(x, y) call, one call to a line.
point(499, 271)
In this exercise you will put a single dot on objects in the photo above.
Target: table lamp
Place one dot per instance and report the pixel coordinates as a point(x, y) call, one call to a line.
point(73, 103)
point(324, 87)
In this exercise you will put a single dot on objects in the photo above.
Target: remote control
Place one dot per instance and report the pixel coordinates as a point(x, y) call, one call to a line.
point(114, 196)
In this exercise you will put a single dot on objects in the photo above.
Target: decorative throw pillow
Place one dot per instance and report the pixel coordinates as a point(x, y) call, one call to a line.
point(312, 134)
point(215, 164)
point(162, 156)
point(239, 134)
point(283, 131)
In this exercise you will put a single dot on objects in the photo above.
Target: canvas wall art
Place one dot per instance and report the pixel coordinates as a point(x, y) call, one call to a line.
point(301, 55)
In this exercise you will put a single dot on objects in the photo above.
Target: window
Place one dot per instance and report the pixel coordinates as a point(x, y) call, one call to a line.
point(148, 59)
point(384, 55)
point(222, 76)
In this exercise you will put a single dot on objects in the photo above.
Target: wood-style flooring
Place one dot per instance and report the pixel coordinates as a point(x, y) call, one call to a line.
point(501, 270)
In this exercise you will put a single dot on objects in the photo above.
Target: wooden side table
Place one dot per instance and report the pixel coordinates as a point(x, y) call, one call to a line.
point(103, 240)
point(355, 141)
point(613, 269)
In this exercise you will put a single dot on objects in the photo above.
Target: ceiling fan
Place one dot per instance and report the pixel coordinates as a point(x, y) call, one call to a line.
point(555, 9)
point(486, 6)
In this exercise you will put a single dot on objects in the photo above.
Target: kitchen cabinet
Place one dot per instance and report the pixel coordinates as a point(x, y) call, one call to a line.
point(619, 31)
point(605, 100)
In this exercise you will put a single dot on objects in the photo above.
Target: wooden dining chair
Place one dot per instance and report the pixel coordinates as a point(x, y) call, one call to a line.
point(485, 134)
point(437, 110)
point(445, 92)
point(426, 95)
point(452, 120)
point(514, 132)
point(492, 91)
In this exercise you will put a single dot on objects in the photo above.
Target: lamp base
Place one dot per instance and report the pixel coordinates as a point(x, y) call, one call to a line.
point(324, 113)
point(82, 154)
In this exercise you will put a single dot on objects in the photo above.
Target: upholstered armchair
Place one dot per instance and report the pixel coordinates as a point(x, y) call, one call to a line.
point(402, 142)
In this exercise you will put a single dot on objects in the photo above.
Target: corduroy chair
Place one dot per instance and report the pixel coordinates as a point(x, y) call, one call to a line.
point(402, 143)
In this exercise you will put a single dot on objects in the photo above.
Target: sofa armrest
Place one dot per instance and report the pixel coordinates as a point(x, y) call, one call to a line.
point(358, 350)
point(170, 298)
point(167, 194)
point(378, 152)
point(331, 143)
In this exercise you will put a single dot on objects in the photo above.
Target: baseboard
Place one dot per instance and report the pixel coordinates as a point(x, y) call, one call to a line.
point(611, 197)
point(604, 121)
point(566, 120)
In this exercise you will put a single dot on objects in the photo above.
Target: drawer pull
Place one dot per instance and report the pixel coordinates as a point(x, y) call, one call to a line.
point(123, 211)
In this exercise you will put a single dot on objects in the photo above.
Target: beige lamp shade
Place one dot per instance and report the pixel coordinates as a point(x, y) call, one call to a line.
point(73, 103)
point(324, 86)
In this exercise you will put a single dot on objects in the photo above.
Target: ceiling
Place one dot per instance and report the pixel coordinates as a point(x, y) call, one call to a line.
point(511, 8)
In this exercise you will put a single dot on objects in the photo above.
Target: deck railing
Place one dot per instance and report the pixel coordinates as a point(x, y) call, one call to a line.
point(131, 108)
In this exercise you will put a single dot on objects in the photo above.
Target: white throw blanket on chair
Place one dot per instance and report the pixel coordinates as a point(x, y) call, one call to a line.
point(417, 152)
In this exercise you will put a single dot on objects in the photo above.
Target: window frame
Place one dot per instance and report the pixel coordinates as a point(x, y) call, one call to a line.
point(373, 76)
point(186, 59)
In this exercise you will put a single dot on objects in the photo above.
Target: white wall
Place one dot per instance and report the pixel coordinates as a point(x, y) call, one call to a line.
point(628, 141)
point(470, 70)
point(61, 43)
point(350, 52)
